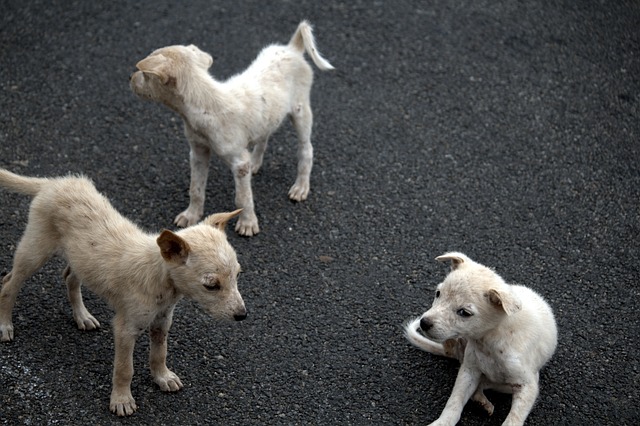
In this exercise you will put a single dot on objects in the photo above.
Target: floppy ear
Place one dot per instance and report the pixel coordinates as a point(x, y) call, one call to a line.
point(172, 247)
point(506, 301)
point(156, 65)
point(456, 259)
point(209, 58)
point(219, 220)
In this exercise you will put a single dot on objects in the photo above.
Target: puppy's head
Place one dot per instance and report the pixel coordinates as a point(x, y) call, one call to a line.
point(471, 301)
point(203, 266)
point(167, 73)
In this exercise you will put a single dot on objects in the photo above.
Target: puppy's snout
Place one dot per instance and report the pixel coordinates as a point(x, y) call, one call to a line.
point(425, 324)
point(240, 315)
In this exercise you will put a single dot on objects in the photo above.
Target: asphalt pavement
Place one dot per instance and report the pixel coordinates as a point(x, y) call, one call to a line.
point(508, 130)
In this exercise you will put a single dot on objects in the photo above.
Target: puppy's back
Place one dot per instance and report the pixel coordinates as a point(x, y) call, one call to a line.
point(537, 324)
point(71, 210)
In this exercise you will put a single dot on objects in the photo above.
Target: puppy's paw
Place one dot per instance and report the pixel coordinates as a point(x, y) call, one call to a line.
point(86, 321)
point(247, 227)
point(7, 332)
point(299, 192)
point(168, 381)
point(255, 167)
point(481, 399)
point(122, 404)
point(454, 348)
point(440, 423)
point(186, 218)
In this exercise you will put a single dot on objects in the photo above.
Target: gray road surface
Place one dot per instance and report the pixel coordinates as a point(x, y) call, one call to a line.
point(508, 130)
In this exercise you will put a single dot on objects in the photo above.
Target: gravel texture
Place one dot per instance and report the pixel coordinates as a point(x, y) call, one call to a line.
point(508, 130)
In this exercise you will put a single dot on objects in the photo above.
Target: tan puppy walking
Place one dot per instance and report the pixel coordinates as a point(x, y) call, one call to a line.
point(502, 334)
point(235, 118)
point(142, 276)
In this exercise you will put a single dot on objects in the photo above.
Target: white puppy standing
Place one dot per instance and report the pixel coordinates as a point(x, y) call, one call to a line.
point(142, 276)
point(502, 334)
point(237, 115)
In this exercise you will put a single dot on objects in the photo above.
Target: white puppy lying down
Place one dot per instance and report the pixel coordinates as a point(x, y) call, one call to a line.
point(502, 334)
point(237, 115)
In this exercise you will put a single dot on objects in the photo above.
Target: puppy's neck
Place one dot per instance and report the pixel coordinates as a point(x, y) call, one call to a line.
point(152, 270)
point(200, 92)
point(208, 112)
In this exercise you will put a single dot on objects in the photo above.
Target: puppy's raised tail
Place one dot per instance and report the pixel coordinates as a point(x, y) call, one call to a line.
point(453, 348)
point(22, 184)
point(303, 40)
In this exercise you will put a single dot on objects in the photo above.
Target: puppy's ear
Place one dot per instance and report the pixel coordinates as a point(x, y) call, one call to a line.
point(173, 248)
point(157, 65)
point(208, 59)
point(219, 220)
point(504, 300)
point(456, 259)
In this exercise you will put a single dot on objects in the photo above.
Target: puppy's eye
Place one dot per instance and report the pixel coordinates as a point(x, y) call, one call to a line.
point(464, 313)
point(212, 287)
point(437, 293)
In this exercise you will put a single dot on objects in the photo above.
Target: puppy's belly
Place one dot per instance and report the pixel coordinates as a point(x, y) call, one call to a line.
point(498, 387)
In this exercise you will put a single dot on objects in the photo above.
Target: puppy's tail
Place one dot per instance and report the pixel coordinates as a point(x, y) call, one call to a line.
point(303, 40)
point(24, 185)
point(453, 348)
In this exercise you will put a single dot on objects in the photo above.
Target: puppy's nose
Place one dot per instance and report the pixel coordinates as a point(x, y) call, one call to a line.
point(239, 317)
point(425, 324)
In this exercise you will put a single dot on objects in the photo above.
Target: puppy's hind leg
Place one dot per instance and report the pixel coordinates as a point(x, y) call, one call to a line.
point(481, 399)
point(81, 315)
point(302, 118)
point(165, 378)
point(257, 154)
point(33, 251)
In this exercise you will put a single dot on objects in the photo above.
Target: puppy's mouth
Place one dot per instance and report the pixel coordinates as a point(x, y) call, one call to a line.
point(428, 335)
point(427, 329)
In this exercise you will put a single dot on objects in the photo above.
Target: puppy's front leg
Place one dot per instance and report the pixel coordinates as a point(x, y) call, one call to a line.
point(466, 384)
point(524, 396)
point(199, 157)
point(165, 378)
point(247, 223)
point(122, 402)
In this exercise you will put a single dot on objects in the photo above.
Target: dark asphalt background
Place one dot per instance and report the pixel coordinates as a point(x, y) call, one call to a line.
point(504, 129)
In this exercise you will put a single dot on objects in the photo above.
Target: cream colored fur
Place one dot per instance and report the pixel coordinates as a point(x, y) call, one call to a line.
point(142, 276)
point(502, 334)
point(235, 118)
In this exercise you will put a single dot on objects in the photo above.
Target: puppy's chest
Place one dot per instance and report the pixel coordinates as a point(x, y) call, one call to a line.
point(153, 308)
point(498, 364)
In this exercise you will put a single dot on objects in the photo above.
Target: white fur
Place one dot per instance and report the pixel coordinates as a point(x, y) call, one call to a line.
point(236, 116)
point(142, 276)
point(510, 334)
